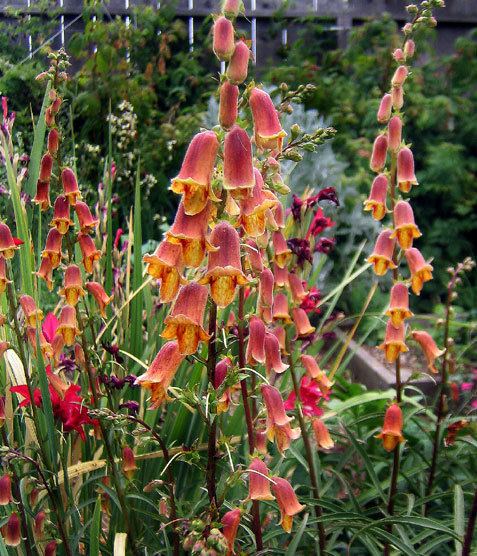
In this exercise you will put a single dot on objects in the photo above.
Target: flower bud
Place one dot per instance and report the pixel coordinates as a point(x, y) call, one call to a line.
point(391, 433)
point(70, 186)
point(238, 65)
point(405, 229)
point(379, 153)
point(61, 215)
point(405, 170)
point(398, 309)
point(50, 548)
point(221, 370)
point(129, 466)
point(254, 257)
point(267, 127)
point(228, 104)
point(39, 524)
point(394, 133)
point(421, 271)
point(397, 95)
point(429, 347)
point(223, 38)
point(239, 176)
point(11, 531)
point(287, 502)
point(398, 55)
point(265, 295)
point(53, 142)
point(231, 8)
point(382, 255)
point(385, 107)
point(399, 76)
point(258, 481)
point(46, 166)
point(376, 202)
point(393, 343)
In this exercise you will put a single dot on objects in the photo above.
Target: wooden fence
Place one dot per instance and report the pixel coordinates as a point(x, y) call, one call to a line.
point(338, 15)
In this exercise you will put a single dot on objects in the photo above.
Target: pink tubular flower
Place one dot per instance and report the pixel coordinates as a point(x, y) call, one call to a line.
point(393, 343)
point(7, 243)
point(409, 48)
point(376, 202)
point(52, 249)
point(161, 372)
point(254, 256)
point(397, 95)
point(231, 8)
point(68, 325)
point(296, 287)
point(193, 180)
point(239, 176)
point(398, 55)
point(88, 251)
point(281, 276)
point(224, 271)
point(268, 130)
point(280, 333)
point(405, 170)
point(238, 66)
point(256, 342)
point(310, 397)
point(230, 523)
point(405, 229)
point(421, 271)
point(391, 433)
point(281, 252)
point(228, 105)
point(223, 38)
point(287, 502)
point(253, 209)
point(258, 481)
point(273, 360)
point(278, 423)
point(265, 295)
point(61, 215)
point(85, 219)
point(378, 156)
point(280, 308)
point(53, 142)
point(190, 232)
point(166, 265)
point(185, 321)
point(100, 296)
point(221, 370)
point(322, 434)
point(400, 75)
point(384, 110)
point(5, 490)
point(395, 133)
point(302, 323)
point(72, 285)
point(429, 347)
point(70, 186)
point(382, 256)
point(11, 531)
point(398, 310)
point(33, 315)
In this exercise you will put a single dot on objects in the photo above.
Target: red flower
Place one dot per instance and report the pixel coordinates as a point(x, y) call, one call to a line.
point(326, 194)
point(319, 223)
point(310, 396)
point(310, 302)
point(68, 406)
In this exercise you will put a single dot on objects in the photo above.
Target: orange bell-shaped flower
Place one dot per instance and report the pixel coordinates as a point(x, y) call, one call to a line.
point(7, 243)
point(33, 315)
point(406, 177)
point(421, 271)
point(429, 347)
point(167, 265)
point(253, 209)
point(273, 360)
point(221, 370)
point(280, 308)
point(398, 310)
point(239, 176)
point(52, 249)
point(376, 202)
point(230, 523)
point(282, 254)
point(185, 321)
point(70, 186)
point(393, 343)
point(313, 370)
point(68, 325)
point(228, 104)
point(382, 256)
point(405, 229)
point(259, 481)
point(302, 323)
point(61, 215)
point(237, 69)
point(256, 342)
point(268, 130)
point(72, 289)
point(193, 180)
point(322, 434)
point(85, 219)
point(278, 423)
point(100, 296)
point(42, 195)
point(296, 287)
point(391, 433)
point(287, 502)
point(161, 372)
point(224, 271)
point(88, 251)
point(45, 272)
point(129, 466)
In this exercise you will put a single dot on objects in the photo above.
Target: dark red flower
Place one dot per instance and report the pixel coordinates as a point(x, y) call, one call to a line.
point(296, 206)
point(325, 245)
point(319, 223)
point(326, 194)
point(309, 303)
point(301, 248)
point(310, 396)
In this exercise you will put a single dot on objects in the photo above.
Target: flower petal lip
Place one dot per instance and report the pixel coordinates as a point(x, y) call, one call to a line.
point(398, 309)
point(160, 373)
point(376, 202)
point(193, 180)
point(237, 69)
point(166, 265)
point(382, 256)
point(268, 130)
point(61, 215)
point(185, 321)
point(421, 271)
point(239, 177)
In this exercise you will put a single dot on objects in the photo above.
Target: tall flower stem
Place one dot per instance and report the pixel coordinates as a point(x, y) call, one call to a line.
point(212, 443)
point(469, 532)
point(396, 453)
point(256, 525)
point(107, 445)
point(308, 451)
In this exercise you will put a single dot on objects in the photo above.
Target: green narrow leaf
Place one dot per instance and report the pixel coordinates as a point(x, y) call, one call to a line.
point(137, 303)
point(95, 529)
point(459, 517)
point(292, 547)
point(3, 548)
point(109, 222)
point(37, 148)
